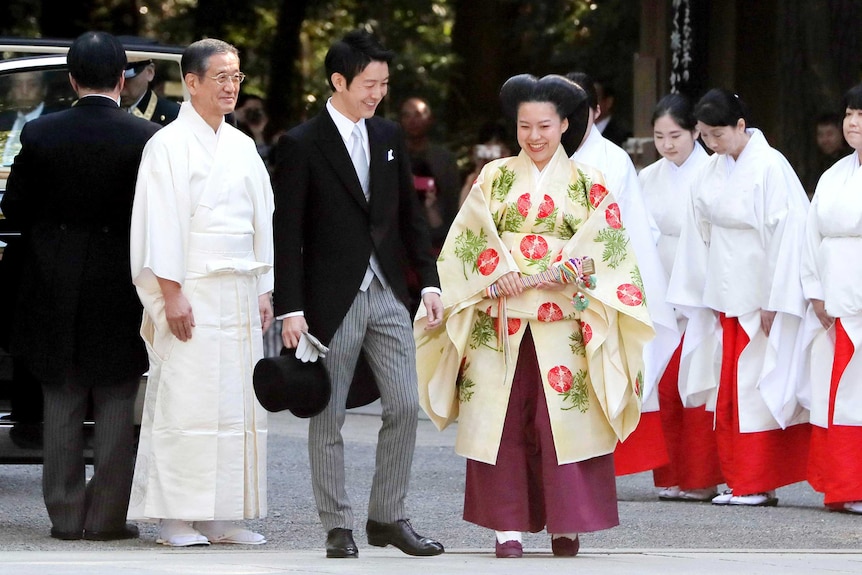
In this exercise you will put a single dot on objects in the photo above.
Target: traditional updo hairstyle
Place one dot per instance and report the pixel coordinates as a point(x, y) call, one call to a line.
point(852, 99)
point(679, 108)
point(720, 107)
point(569, 99)
point(566, 96)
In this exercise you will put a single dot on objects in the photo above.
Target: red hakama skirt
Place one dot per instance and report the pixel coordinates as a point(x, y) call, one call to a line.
point(835, 464)
point(759, 461)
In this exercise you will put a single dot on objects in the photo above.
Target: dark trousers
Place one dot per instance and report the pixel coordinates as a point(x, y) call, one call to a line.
point(74, 504)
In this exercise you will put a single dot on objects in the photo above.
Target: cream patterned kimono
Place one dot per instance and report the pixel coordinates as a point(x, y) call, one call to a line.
point(591, 361)
point(203, 218)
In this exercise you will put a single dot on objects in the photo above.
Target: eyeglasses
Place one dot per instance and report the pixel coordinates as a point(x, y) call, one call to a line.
point(223, 78)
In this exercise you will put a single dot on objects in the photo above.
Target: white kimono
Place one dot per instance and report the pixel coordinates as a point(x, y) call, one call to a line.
point(830, 272)
point(202, 217)
point(667, 192)
point(621, 180)
point(739, 253)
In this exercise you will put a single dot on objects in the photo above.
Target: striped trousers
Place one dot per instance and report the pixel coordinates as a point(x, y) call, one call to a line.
point(72, 502)
point(378, 324)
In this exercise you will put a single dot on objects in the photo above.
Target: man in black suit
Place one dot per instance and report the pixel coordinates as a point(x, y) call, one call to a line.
point(140, 100)
point(611, 126)
point(70, 193)
point(342, 225)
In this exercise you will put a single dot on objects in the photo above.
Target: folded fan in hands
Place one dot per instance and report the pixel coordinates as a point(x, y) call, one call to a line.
point(572, 270)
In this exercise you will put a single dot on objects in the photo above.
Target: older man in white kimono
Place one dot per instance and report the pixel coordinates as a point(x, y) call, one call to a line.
point(201, 245)
point(642, 451)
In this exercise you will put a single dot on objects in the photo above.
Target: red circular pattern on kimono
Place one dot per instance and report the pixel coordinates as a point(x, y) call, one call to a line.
point(534, 247)
point(549, 311)
point(612, 216)
point(587, 332)
point(560, 378)
point(546, 207)
point(524, 204)
point(597, 194)
point(487, 261)
point(630, 294)
point(512, 325)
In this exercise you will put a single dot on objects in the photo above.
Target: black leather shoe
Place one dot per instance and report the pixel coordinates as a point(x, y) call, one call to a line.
point(65, 535)
point(401, 535)
point(128, 532)
point(340, 544)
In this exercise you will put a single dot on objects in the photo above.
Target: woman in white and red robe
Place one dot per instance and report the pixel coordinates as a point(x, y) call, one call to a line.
point(831, 280)
point(680, 423)
point(739, 255)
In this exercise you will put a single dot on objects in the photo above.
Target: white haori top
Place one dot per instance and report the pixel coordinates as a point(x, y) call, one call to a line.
point(667, 193)
point(830, 272)
point(739, 254)
point(622, 181)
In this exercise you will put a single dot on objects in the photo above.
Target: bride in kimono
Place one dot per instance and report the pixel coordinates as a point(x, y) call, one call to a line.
point(738, 256)
point(543, 382)
point(831, 281)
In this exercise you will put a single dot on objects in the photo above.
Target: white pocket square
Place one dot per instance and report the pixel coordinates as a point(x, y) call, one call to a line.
point(390, 155)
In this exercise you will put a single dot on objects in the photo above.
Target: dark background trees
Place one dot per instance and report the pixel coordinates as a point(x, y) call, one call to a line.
point(792, 59)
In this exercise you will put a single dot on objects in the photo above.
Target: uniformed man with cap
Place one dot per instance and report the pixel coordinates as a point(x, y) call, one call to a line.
point(140, 100)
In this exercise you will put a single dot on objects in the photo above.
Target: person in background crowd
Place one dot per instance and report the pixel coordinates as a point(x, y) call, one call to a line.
point(435, 178)
point(639, 452)
point(251, 118)
point(739, 256)
point(492, 145)
point(70, 193)
point(831, 146)
point(24, 101)
point(202, 254)
point(610, 126)
point(139, 98)
point(346, 212)
point(693, 471)
point(434, 169)
point(527, 375)
point(830, 280)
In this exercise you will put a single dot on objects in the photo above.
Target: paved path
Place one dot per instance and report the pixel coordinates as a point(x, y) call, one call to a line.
point(798, 536)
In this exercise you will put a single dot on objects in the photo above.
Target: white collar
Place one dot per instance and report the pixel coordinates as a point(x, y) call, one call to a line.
point(345, 125)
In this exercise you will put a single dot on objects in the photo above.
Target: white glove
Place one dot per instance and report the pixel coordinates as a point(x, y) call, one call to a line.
point(322, 350)
point(310, 348)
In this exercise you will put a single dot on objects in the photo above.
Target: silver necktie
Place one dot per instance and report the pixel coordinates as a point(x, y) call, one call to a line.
point(360, 161)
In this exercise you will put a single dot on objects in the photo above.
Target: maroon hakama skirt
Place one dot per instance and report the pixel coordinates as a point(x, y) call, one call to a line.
point(527, 490)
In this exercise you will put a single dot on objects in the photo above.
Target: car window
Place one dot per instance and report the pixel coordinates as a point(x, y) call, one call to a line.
point(24, 96)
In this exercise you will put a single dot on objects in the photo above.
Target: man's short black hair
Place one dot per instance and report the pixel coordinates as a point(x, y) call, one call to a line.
point(96, 60)
point(352, 54)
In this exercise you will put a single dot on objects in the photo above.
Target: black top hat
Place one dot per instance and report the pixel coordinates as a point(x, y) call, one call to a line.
point(285, 382)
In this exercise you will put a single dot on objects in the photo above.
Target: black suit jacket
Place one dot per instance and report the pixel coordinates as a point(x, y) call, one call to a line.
point(70, 193)
point(616, 131)
point(325, 230)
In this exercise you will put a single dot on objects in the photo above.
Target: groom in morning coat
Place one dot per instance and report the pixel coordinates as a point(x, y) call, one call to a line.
point(346, 218)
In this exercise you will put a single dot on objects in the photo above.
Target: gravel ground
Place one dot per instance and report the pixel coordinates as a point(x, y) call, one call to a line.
point(435, 503)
